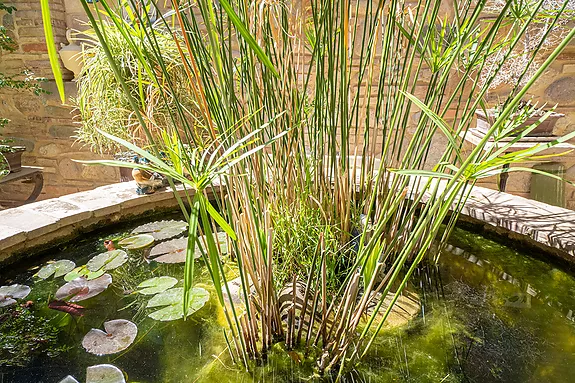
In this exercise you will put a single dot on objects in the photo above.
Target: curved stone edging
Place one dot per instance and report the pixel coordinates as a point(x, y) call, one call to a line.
point(41, 224)
point(53, 221)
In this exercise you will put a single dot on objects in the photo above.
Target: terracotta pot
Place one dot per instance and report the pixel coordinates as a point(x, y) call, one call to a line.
point(544, 129)
point(126, 175)
point(15, 158)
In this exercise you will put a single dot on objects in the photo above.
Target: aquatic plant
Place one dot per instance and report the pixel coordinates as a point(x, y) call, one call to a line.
point(119, 334)
point(156, 285)
point(56, 269)
point(9, 294)
point(137, 242)
point(23, 335)
point(162, 230)
point(171, 301)
point(173, 251)
point(337, 87)
point(81, 288)
point(101, 373)
point(109, 260)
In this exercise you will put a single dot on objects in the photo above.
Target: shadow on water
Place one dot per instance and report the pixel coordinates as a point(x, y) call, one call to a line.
point(489, 314)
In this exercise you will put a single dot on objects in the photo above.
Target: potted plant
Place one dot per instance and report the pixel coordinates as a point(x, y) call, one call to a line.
point(525, 116)
point(12, 154)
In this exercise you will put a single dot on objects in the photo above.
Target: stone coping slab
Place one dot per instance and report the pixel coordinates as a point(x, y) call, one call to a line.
point(37, 226)
point(40, 225)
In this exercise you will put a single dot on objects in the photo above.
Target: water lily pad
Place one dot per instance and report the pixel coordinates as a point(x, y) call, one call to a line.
point(104, 373)
point(137, 242)
point(59, 268)
point(107, 261)
point(156, 285)
point(9, 294)
point(173, 251)
point(94, 274)
point(162, 229)
point(69, 379)
point(119, 335)
point(76, 273)
point(221, 238)
point(81, 289)
point(173, 299)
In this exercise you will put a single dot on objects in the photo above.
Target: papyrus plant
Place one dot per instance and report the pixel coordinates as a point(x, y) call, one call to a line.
point(351, 97)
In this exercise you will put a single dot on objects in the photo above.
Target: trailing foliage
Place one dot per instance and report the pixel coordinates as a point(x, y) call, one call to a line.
point(102, 103)
point(325, 97)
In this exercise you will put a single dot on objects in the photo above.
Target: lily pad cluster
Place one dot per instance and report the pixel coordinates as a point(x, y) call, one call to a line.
point(101, 373)
point(56, 269)
point(9, 294)
point(145, 235)
point(98, 265)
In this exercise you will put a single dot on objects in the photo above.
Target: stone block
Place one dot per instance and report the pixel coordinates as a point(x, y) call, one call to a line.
point(561, 91)
point(52, 150)
point(35, 224)
point(58, 111)
point(27, 23)
point(62, 131)
point(8, 21)
point(9, 236)
point(100, 201)
point(22, 13)
point(70, 169)
point(66, 212)
point(569, 68)
point(30, 32)
point(28, 104)
point(34, 47)
point(103, 174)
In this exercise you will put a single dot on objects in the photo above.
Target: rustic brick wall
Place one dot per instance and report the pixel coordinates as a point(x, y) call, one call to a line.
point(42, 123)
point(46, 127)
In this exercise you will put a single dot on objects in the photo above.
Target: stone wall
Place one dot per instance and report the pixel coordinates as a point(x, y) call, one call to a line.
point(45, 126)
point(42, 123)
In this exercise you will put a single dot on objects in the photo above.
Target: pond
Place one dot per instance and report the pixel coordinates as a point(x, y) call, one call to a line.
point(489, 314)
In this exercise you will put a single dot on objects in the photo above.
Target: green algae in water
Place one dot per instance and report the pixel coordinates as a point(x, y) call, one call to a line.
point(24, 335)
point(490, 314)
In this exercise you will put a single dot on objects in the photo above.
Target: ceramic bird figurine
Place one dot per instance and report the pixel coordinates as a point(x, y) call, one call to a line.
point(147, 182)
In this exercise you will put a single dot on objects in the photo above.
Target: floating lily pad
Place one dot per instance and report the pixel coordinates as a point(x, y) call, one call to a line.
point(81, 288)
point(156, 285)
point(137, 242)
point(69, 379)
point(222, 239)
point(119, 335)
point(95, 274)
point(107, 261)
point(76, 273)
point(162, 229)
point(9, 294)
point(104, 373)
point(173, 251)
point(173, 299)
point(59, 268)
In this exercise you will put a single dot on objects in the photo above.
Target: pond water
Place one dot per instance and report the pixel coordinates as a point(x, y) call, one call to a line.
point(489, 314)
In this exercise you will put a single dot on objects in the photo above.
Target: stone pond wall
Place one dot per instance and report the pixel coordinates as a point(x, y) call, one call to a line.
point(45, 126)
